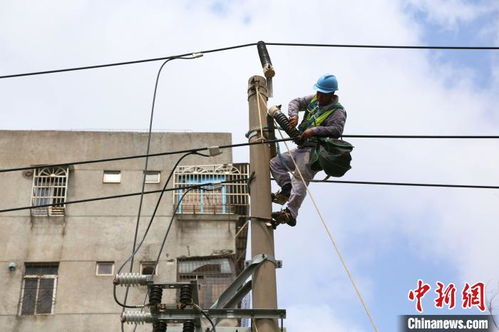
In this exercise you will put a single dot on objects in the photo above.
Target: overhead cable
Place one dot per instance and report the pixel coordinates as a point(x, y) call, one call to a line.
point(30, 168)
point(366, 46)
point(133, 62)
point(414, 47)
point(409, 184)
point(26, 168)
point(86, 200)
point(144, 175)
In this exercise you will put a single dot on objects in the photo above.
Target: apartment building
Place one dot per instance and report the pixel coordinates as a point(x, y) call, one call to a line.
point(58, 262)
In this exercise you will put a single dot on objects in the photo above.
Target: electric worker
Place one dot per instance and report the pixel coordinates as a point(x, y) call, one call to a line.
point(324, 117)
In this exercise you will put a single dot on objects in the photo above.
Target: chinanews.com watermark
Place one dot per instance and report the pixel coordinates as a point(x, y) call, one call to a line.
point(470, 296)
point(447, 323)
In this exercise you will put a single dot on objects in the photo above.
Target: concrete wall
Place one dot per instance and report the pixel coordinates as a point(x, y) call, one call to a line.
point(96, 231)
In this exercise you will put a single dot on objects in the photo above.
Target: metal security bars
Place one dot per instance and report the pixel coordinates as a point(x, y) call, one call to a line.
point(213, 274)
point(38, 289)
point(50, 186)
point(227, 198)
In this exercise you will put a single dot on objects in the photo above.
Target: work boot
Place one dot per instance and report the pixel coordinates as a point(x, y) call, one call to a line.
point(283, 217)
point(282, 196)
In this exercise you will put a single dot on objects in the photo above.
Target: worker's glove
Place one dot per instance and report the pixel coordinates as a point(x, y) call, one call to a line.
point(307, 134)
point(293, 121)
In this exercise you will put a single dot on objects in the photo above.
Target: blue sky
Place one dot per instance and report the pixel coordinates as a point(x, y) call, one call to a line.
point(475, 32)
point(390, 237)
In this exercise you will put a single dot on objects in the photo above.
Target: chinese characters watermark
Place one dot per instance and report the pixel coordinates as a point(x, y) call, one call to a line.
point(472, 295)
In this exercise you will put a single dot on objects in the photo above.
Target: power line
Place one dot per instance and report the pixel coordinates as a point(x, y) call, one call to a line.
point(144, 175)
point(414, 47)
point(425, 136)
point(133, 62)
point(26, 168)
point(464, 186)
point(86, 200)
point(93, 161)
point(113, 64)
point(440, 185)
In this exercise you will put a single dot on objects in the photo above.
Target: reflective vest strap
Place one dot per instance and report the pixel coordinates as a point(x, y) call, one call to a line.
point(314, 117)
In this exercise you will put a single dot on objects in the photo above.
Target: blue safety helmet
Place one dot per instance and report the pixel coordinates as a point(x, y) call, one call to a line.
point(326, 84)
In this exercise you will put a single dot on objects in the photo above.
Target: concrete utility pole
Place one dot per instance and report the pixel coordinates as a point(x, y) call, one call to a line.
point(262, 240)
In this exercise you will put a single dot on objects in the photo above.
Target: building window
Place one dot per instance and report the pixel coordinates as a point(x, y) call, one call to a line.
point(213, 274)
point(111, 177)
point(38, 288)
point(226, 198)
point(104, 269)
point(153, 176)
point(148, 268)
point(50, 186)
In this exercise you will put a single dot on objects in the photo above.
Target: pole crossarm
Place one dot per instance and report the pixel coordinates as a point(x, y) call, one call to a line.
point(191, 314)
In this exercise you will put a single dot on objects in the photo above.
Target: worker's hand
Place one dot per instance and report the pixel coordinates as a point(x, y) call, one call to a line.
point(307, 134)
point(293, 121)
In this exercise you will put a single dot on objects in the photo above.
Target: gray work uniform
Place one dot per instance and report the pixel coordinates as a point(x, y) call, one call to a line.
point(280, 166)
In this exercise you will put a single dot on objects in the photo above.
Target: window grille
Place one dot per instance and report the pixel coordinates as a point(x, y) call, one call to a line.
point(226, 198)
point(213, 274)
point(38, 289)
point(50, 186)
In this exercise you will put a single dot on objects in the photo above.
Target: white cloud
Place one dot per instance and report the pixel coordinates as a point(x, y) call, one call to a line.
point(450, 13)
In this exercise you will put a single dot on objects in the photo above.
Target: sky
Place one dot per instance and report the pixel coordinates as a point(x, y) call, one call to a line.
point(389, 236)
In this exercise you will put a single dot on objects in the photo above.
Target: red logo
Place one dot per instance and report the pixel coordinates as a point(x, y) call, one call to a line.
point(418, 293)
point(471, 295)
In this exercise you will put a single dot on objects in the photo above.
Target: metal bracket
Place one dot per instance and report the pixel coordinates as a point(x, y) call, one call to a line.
point(277, 263)
point(181, 315)
point(227, 296)
point(254, 131)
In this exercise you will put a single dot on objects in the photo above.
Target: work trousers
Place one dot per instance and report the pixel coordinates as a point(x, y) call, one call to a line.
point(280, 166)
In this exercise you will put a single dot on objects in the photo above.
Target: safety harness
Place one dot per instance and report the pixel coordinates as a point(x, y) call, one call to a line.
point(315, 116)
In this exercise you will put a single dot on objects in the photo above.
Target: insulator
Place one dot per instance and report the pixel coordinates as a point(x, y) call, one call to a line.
point(188, 326)
point(159, 326)
point(268, 70)
point(282, 120)
point(186, 295)
point(132, 279)
point(155, 294)
point(136, 317)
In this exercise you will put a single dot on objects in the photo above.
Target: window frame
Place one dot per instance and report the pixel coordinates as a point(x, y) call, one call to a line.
point(158, 173)
point(38, 277)
point(149, 263)
point(111, 172)
point(102, 274)
point(50, 186)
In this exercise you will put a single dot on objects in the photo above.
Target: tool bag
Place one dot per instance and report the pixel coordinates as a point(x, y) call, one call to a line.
point(332, 156)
